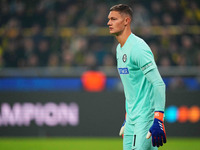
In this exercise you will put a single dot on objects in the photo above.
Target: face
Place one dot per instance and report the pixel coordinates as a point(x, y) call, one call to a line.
point(117, 22)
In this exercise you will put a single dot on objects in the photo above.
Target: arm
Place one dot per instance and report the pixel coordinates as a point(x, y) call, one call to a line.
point(145, 61)
point(157, 130)
point(154, 77)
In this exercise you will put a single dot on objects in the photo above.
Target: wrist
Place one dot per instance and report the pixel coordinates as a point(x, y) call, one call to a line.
point(159, 115)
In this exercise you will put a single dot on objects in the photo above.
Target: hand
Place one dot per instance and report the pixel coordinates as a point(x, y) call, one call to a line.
point(121, 132)
point(157, 130)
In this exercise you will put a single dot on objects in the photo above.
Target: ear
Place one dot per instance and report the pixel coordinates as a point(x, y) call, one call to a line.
point(127, 20)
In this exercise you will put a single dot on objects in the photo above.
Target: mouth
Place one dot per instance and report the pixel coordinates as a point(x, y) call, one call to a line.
point(110, 28)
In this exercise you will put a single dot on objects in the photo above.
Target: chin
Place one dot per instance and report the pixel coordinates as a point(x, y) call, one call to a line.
point(113, 32)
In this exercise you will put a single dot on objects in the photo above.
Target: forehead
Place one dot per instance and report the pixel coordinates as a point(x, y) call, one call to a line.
point(114, 14)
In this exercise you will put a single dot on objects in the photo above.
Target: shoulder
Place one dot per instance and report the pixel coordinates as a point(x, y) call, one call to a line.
point(136, 44)
point(140, 45)
point(141, 49)
point(139, 42)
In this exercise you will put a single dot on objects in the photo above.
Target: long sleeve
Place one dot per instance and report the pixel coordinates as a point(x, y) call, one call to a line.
point(153, 76)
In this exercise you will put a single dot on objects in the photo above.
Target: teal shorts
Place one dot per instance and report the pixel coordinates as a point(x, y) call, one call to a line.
point(135, 136)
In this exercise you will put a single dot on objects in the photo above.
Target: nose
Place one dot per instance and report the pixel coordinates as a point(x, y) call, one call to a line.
point(108, 23)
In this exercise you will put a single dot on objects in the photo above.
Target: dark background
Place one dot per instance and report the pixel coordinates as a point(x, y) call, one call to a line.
point(100, 114)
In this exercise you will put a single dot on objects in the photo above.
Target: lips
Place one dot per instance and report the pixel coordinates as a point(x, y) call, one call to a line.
point(110, 28)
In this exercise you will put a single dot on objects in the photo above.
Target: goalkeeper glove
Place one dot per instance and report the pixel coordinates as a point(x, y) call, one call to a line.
point(121, 132)
point(157, 130)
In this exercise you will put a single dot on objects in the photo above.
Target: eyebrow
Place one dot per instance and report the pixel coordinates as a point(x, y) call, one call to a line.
point(111, 17)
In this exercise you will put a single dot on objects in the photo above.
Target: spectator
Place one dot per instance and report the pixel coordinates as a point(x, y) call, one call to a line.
point(30, 21)
point(108, 60)
point(33, 61)
point(188, 49)
point(10, 55)
point(29, 48)
point(53, 60)
point(43, 52)
point(67, 58)
point(90, 61)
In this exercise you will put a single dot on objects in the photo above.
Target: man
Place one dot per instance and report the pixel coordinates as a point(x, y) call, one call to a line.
point(143, 86)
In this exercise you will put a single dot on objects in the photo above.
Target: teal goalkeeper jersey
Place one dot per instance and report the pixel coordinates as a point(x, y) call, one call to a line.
point(134, 60)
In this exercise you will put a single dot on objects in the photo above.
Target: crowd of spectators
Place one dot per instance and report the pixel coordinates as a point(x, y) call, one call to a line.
point(23, 42)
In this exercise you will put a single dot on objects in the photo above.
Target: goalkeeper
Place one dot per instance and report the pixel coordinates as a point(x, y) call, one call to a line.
point(144, 88)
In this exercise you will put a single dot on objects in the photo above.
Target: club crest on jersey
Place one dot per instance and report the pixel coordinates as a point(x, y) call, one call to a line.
point(124, 58)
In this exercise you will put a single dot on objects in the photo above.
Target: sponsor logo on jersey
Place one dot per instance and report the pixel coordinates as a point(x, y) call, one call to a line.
point(123, 71)
point(124, 58)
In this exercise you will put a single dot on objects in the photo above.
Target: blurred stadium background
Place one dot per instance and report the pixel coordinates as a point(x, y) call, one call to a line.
point(59, 87)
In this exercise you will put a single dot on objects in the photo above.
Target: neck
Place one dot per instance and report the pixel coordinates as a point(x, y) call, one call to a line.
point(122, 37)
